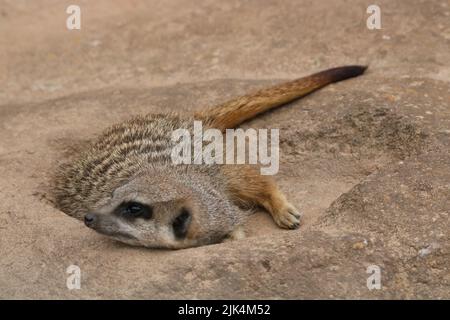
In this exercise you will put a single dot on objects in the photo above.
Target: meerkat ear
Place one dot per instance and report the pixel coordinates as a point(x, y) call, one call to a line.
point(181, 223)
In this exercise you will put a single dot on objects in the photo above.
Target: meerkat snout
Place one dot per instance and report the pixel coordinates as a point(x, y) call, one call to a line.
point(89, 219)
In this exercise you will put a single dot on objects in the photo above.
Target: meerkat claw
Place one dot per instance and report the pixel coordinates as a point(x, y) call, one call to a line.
point(288, 218)
point(295, 214)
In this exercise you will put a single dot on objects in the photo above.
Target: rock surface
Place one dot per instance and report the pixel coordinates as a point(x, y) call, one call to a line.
point(367, 160)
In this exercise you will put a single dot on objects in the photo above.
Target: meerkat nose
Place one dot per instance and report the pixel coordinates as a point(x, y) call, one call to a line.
point(89, 219)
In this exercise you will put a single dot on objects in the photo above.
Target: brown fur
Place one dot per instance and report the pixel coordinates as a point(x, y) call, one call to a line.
point(131, 162)
point(232, 113)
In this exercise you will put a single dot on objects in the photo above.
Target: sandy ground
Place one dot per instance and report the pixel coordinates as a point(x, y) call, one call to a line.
point(367, 160)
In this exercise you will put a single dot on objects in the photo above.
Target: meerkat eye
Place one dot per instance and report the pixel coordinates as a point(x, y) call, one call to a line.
point(135, 210)
point(181, 223)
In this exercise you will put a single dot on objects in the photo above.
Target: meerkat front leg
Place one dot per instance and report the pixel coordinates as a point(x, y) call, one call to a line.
point(247, 188)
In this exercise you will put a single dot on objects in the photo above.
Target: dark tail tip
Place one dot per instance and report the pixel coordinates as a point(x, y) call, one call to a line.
point(346, 72)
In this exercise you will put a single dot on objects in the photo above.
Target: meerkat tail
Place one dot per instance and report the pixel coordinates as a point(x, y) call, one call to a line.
point(234, 112)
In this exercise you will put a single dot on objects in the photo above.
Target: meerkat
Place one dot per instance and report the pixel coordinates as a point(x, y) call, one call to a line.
point(125, 185)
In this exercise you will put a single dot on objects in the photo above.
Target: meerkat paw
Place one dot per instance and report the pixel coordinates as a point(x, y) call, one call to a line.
point(287, 217)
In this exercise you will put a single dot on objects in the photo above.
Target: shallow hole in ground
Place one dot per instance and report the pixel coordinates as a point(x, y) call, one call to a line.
point(321, 160)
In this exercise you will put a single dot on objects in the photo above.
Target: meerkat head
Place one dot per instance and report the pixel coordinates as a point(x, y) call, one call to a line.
point(164, 210)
